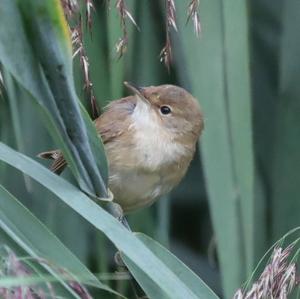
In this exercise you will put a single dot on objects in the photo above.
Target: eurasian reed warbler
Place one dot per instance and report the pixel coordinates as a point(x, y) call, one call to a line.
point(150, 139)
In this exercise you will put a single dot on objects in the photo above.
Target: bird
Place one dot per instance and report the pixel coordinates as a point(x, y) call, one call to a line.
point(149, 138)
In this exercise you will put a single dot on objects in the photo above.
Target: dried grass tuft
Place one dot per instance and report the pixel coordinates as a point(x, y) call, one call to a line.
point(12, 266)
point(166, 52)
point(79, 50)
point(121, 46)
point(71, 9)
point(89, 7)
point(193, 15)
point(277, 281)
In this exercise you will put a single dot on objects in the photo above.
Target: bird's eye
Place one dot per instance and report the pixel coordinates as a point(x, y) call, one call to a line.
point(165, 110)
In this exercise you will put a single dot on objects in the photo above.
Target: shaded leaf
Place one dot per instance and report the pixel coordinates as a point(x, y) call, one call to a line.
point(34, 237)
point(57, 71)
point(190, 279)
point(124, 240)
point(210, 68)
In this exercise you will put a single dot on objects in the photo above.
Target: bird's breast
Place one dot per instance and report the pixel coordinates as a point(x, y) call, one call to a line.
point(150, 169)
point(136, 188)
point(145, 164)
point(155, 150)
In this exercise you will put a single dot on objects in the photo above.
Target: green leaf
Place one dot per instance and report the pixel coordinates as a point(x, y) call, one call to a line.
point(236, 60)
point(8, 226)
point(210, 68)
point(23, 66)
point(95, 44)
point(189, 278)
point(48, 32)
point(145, 46)
point(265, 47)
point(285, 162)
point(124, 240)
point(97, 146)
point(34, 139)
point(34, 237)
point(116, 66)
point(44, 68)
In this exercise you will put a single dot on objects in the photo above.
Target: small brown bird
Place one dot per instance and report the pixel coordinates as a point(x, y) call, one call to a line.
point(150, 139)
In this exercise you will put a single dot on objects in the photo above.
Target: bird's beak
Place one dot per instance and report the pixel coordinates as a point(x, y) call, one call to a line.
point(139, 91)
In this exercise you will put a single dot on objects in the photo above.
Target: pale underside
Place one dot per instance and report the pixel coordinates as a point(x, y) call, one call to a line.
point(134, 189)
point(145, 163)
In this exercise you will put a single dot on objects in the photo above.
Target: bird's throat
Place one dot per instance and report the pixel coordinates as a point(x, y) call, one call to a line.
point(155, 147)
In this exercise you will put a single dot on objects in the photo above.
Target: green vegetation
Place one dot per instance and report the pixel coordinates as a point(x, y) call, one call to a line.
point(242, 190)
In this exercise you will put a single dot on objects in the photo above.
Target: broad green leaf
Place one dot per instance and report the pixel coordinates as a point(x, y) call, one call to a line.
point(51, 43)
point(192, 281)
point(44, 68)
point(95, 44)
point(23, 66)
point(265, 47)
point(30, 234)
point(285, 163)
point(116, 66)
point(210, 68)
point(33, 138)
point(148, 285)
point(124, 240)
point(236, 62)
point(145, 46)
point(5, 125)
point(97, 145)
point(13, 94)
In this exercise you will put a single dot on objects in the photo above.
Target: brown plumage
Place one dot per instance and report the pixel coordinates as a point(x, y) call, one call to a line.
point(59, 162)
point(149, 140)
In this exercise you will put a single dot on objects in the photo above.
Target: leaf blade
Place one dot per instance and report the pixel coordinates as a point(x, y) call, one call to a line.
point(95, 215)
point(193, 282)
point(37, 240)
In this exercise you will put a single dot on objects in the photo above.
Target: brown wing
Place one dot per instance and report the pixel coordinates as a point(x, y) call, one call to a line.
point(114, 121)
point(109, 125)
point(59, 162)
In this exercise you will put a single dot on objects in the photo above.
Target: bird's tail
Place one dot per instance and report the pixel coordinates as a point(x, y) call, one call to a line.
point(59, 163)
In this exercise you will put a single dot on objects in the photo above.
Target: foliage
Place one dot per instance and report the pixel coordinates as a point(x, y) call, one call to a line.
point(244, 182)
